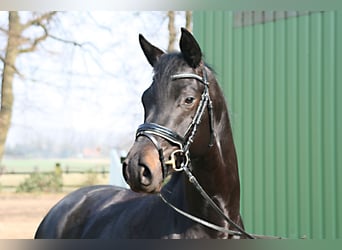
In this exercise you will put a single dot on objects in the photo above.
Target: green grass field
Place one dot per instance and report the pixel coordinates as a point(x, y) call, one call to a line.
point(45, 165)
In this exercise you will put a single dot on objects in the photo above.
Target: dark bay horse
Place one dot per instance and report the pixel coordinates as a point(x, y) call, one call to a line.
point(186, 135)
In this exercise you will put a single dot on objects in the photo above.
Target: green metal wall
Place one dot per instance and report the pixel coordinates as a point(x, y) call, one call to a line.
point(283, 83)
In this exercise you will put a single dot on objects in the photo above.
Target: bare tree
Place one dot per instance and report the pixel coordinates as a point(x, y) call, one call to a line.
point(17, 43)
point(47, 37)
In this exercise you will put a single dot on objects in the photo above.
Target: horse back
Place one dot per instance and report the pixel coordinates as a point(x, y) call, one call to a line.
point(70, 217)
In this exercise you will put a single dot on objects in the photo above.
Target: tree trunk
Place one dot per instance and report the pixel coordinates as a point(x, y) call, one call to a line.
point(172, 31)
point(188, 20)
point(9, 70)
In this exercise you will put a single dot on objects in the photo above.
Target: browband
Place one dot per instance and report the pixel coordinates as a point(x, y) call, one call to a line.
point(190, 75)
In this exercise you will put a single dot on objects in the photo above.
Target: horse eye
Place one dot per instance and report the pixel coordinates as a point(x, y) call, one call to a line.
point(189, 100)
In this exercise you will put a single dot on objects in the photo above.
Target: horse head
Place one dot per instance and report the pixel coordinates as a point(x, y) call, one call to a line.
point(175, 107)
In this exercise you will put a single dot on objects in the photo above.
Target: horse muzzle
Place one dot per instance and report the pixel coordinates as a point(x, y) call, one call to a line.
point(141, 169)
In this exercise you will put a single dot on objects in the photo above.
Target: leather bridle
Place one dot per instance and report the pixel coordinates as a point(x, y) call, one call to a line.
point(180, 158)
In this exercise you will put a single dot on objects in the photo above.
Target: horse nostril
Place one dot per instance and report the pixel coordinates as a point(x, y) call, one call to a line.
point(146, 175)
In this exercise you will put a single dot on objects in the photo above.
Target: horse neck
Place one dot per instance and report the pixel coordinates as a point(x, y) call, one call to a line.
point(217, 173)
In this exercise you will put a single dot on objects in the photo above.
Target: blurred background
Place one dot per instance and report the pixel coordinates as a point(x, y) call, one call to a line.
point(70, 102)
point(76, 79)
point(72, 86)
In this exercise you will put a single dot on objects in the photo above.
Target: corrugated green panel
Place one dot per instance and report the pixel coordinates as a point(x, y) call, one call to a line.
point(304, 152)
point(329, 49)
point(283, 84)
point(258, 116)
point(338, 124)
point(280, 130)
point(267, 86)
point(291, 125)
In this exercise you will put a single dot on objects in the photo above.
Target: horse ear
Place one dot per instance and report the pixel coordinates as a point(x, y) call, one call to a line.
point(190, 49)
point(151, 52)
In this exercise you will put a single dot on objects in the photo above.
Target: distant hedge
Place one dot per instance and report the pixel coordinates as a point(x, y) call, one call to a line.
point(41, 182)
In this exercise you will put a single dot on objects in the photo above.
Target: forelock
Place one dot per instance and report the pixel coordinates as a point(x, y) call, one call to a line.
point(169, 64)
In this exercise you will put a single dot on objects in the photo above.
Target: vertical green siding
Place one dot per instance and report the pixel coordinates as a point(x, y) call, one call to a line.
point(283, 84)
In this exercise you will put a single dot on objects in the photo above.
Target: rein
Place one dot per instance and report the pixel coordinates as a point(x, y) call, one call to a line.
point(150, 130)
point(216, 227)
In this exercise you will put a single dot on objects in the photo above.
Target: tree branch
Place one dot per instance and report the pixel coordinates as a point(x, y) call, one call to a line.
point(66, 41)
point(13, 67)
point(4, 30)
point(39, 20)
point(36, 41)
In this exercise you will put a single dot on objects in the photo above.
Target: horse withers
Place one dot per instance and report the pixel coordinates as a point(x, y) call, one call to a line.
point(187, 135)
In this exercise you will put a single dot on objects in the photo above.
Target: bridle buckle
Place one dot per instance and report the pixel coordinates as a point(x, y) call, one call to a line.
point(178, 160)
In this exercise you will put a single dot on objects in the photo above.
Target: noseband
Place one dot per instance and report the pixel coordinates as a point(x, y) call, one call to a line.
point(180, 158)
